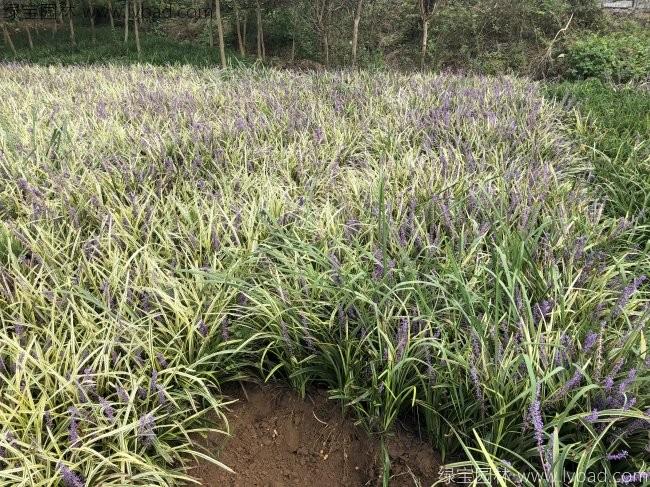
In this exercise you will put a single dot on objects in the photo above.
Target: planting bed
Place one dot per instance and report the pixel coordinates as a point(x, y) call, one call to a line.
point(427, 248)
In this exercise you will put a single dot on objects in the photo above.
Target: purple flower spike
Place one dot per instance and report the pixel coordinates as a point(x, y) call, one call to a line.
point(309, 340)
point(402, 337)
point(627, 294)
point(378, 271)
point(478, 391)
point(593, 416)
point(608, 383)
point(569, 385)
point(535, 412)
point(146, 426)
point(590, 340)
point(543, 310)
point(19, 330)
point(161, 360)
point(225, 329)
point(203, 328)
point(107, 409)
point(285, 335)
point(153, 383)
point(73, 434)
point(122, 394)
point(615, 457)
point(631, 377)
point(160, 392)
point(70, 479)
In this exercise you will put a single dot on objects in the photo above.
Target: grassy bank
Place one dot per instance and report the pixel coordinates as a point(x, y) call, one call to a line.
point(613, 125)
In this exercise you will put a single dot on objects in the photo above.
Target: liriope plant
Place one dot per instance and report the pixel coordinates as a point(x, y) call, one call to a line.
point(425, 247)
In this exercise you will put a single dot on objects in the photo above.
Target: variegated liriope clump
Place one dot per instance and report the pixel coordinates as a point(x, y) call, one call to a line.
point(426, 246)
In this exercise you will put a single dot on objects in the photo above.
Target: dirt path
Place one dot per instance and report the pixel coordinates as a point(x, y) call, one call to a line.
point(280, 440)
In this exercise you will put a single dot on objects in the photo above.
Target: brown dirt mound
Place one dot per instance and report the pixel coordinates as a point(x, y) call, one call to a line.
point(280, 440)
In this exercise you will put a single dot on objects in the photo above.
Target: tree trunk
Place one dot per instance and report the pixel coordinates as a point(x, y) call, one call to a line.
point(126, 22)
point(5, 32)
point(91, 11)
point(425, 40)
point(326, 47)
point(260, 34)
point(328, 22)
point(322, 17)
point(240, 41)
point(110, 14)
point(68, 7)
point(245, 30)
point(293, 48)
point(29, 37)
point(7, 37)
point(210, 32)
point(222, 47)
point(355, 31)
point(136, 32)
point(27, 29)
point(58, 17)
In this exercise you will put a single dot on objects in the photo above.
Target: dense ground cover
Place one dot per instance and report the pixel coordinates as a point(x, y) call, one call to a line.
point(425, 246)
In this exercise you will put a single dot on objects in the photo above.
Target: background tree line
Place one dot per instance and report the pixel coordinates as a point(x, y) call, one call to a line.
point(493, 37)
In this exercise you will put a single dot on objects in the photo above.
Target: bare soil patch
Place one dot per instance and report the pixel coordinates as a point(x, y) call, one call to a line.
point(278, 439)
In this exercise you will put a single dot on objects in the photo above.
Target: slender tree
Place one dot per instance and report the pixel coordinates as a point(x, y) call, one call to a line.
point(58, 17)
point(126, 21)
point(68, 7)
point(210, 32)
point(240, 40)
point(5, 31)
point(91, 12)
point(245, 30)
point(136, 32)
point(222, 47)
point(323, 13)
point(28, 31)
point(110, 14)
point(26, 24)
point(260, 31)
point(355, 31)
point(426, 8)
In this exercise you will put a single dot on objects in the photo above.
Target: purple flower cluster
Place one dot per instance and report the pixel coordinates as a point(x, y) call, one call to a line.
point(146, 429)
point(70, 478)
point(73, 431)
point(202, 328)
point(626, 295)
point(402, 338)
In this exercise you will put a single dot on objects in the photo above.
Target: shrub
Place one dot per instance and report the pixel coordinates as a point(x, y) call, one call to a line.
point(619, 57)
point(502, 36)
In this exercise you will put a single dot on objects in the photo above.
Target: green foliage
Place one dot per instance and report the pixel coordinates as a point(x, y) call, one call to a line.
point(502, 36)
point(157, 49)
point(619, 57)
point(613, 124)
